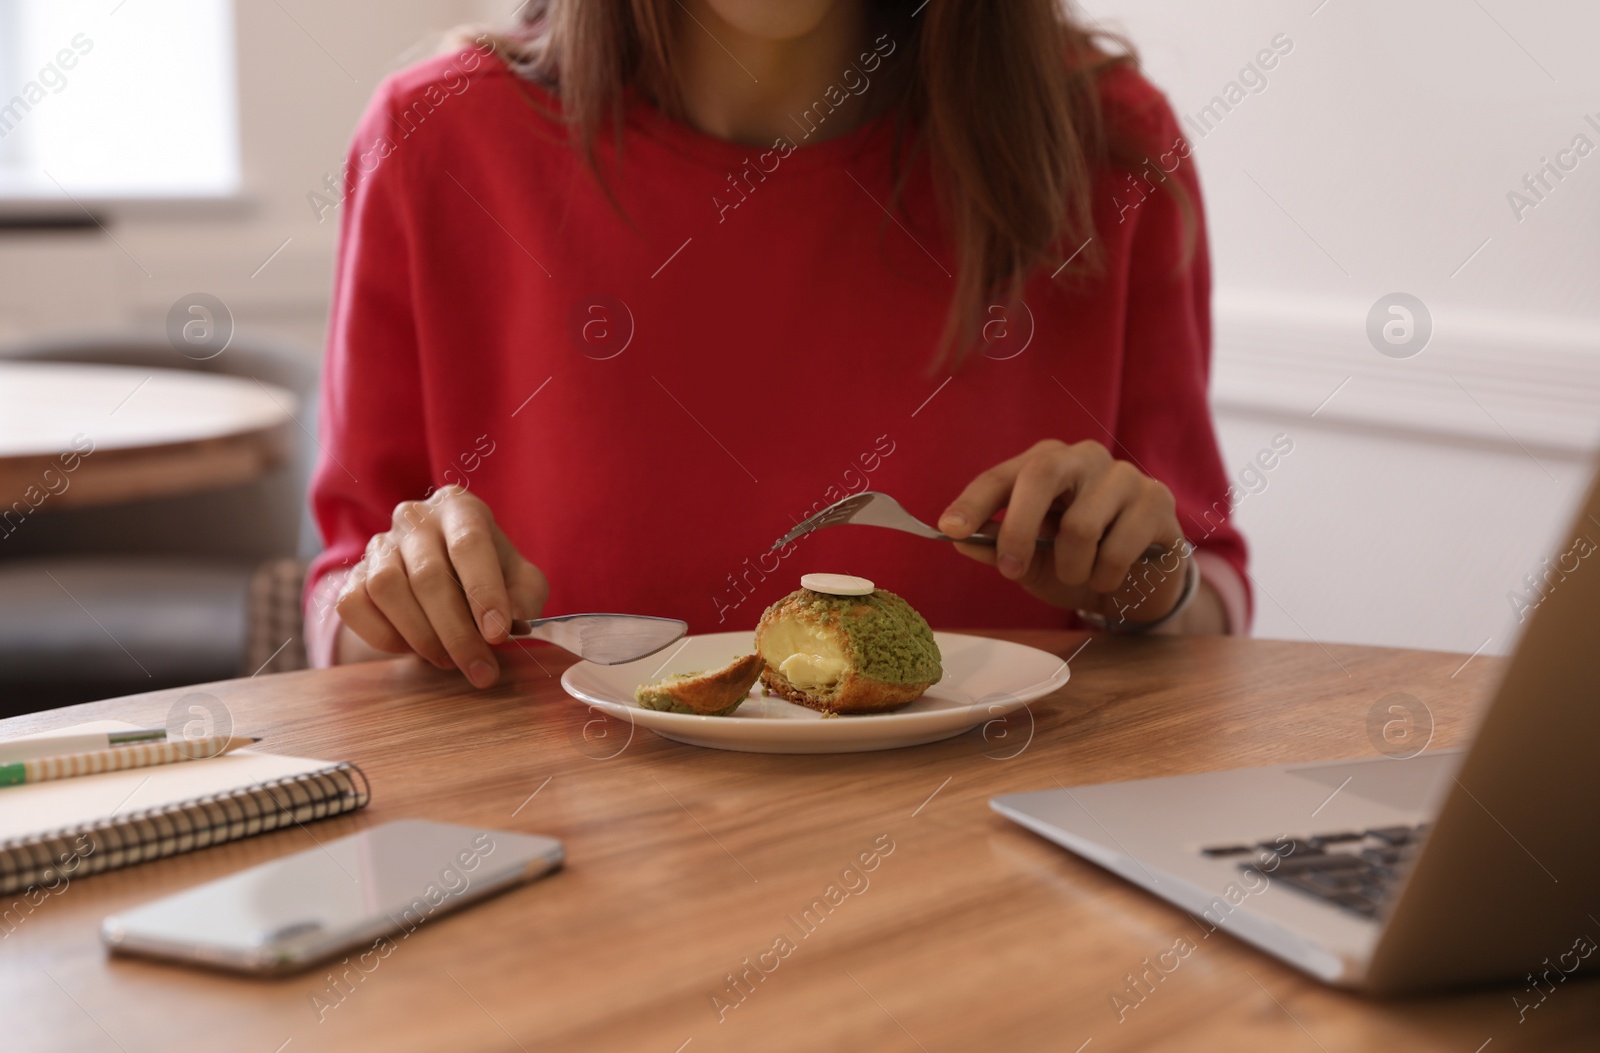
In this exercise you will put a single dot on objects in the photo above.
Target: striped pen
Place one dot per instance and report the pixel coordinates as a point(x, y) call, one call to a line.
point(135, 755)
point(60, 744)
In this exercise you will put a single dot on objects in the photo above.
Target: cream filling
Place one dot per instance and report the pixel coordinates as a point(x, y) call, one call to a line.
point(808, 659)
point(807, 671)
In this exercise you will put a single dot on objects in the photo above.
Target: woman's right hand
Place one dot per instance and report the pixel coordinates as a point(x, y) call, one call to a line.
point(443, 582)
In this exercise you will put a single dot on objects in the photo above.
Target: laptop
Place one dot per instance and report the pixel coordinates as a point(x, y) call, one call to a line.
point(1394, 874)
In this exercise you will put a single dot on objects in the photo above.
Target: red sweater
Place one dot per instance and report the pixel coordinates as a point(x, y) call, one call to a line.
point(649, 400)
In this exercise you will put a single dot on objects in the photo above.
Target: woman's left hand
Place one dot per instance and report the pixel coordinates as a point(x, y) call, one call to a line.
point(1102, 513)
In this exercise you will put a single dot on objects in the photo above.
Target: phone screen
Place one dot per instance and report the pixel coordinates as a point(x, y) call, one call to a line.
point(296, 911)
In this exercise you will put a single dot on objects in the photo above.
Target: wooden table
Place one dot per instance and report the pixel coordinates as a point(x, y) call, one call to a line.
point(971, 934)
point(75, 434)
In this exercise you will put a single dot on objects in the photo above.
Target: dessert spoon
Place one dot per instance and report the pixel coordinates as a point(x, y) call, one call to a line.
point(604, 639)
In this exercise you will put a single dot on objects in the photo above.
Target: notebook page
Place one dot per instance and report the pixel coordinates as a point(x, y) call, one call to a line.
point(36, 808)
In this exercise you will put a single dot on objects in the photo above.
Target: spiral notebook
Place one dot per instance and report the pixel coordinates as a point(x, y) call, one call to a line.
point(69, 828)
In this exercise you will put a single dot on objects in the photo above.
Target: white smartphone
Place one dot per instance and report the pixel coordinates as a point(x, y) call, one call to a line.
point(380, 885)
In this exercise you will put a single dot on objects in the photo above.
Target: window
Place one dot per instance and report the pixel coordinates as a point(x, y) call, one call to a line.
point(116, 100)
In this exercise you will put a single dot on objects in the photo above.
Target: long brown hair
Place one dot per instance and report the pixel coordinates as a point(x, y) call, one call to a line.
point(1001, 96)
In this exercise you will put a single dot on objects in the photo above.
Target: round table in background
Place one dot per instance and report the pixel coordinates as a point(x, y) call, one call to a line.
point(73, 434)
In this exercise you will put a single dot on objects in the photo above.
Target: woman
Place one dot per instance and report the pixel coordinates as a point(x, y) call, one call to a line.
point(626, 294)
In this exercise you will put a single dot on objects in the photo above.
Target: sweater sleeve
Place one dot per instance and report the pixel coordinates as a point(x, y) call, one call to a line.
point(372, 432)
point(1164, 417)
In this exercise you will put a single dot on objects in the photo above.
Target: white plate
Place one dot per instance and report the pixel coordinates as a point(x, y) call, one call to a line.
point(983, 679)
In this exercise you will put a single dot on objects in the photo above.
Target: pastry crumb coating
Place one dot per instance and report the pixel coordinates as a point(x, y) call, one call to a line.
point(855, 654)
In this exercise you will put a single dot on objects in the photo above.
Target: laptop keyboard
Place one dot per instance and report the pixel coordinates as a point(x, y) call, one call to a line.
point(1354, 871)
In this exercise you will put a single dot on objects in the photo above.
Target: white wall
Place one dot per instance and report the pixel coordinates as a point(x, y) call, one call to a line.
point(306, 72)
point(1377, 159)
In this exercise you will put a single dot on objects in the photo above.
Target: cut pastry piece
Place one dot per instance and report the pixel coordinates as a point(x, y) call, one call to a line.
point(713, 694)
point(847, 654)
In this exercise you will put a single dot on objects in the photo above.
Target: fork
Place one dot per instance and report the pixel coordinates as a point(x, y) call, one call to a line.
point(873, 508)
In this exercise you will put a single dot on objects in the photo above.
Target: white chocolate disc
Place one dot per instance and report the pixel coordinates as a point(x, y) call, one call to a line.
point(837, 584)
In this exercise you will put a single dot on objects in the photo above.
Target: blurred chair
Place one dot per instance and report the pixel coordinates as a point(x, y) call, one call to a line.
point(164, 592)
